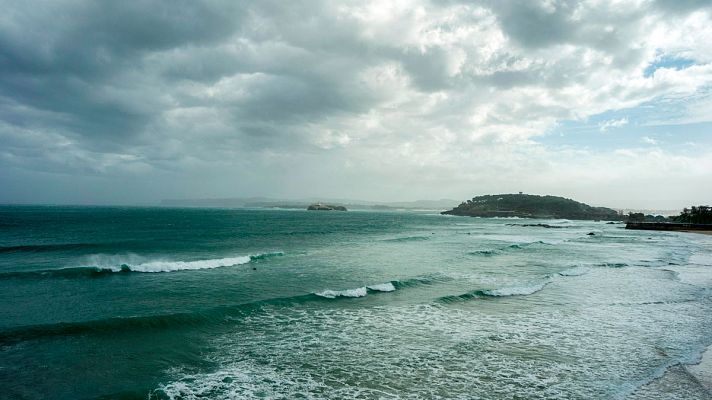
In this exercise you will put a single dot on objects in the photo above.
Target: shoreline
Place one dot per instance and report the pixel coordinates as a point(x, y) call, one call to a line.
point(680, 380)
point(702, 371)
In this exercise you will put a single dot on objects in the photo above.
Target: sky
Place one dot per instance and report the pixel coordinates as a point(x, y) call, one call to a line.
point(608, 102)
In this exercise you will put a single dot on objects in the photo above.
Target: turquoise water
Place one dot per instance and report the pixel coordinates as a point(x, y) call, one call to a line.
point(100, 302)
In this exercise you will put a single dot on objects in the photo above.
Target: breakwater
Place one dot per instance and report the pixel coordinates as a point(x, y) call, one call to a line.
point(668, 226)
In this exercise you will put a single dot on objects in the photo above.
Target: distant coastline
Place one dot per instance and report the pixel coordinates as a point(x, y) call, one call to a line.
point(302, 204)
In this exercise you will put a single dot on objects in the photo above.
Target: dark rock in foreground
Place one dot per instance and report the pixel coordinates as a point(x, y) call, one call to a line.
point(532, 206)
point(325, 207)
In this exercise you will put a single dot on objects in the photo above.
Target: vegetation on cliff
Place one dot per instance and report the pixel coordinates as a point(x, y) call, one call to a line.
point(640, 217)
point(531, 206)
point(695, 215)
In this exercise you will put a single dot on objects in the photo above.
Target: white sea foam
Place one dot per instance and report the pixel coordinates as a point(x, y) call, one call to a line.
point(168, 266)
point(383, 287)
point(701, 259)
point(135, 263)
point(545, 349)
point(563, 342)
point(332, 294)
point(113, 262)
point(357, 292)
point(516, 290)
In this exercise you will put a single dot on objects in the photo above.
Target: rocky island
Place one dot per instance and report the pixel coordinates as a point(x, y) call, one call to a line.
point(532, 206)
point(325, 207)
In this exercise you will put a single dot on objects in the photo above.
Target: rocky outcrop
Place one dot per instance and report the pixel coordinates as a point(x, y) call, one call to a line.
point(325, 207)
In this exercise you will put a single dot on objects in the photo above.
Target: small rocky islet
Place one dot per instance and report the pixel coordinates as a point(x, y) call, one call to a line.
point(325, 207)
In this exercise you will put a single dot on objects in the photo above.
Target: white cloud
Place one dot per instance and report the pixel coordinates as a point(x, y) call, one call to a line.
point(404, 98)
point(612, 123)
point(649, 140)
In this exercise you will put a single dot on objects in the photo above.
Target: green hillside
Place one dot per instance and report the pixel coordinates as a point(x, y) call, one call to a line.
point(531, 206)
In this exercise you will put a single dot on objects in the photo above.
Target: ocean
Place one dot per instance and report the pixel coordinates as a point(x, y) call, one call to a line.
point(179, 303)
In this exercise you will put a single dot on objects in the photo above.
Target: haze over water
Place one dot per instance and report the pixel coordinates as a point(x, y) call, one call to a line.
point(219, 303)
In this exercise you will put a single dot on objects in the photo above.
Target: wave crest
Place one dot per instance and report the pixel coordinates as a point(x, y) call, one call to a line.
point(266, 255)
point(358, 292)
point(169, 266)
point(332, 294)
point(101, 265)
point(382, 287)
point(502, 292)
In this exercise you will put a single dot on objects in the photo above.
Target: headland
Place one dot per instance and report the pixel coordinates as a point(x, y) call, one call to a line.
point(532, 206)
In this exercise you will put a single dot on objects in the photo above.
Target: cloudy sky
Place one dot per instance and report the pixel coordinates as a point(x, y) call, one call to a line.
point(608, 102)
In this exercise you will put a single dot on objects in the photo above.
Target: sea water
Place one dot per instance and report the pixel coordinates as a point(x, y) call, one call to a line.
point(170, 303)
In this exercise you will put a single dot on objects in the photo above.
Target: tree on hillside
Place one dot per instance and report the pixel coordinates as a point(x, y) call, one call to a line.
point(695, 215)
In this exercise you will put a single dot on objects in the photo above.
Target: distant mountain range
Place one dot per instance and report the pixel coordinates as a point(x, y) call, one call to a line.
point(265, 202)
point(531, 206)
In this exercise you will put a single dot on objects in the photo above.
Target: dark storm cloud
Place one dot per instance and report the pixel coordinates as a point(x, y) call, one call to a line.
point(83, 60)
point(96, 38)
point(110, 69)
point(127, 89)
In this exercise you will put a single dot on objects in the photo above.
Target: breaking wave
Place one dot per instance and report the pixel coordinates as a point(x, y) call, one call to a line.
point(107, 265)
point(358, 292)
point(169, 266)
point(382, 287)
point(104, 263)
point(385, 287)
point(266, 255)
point(332, 294)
